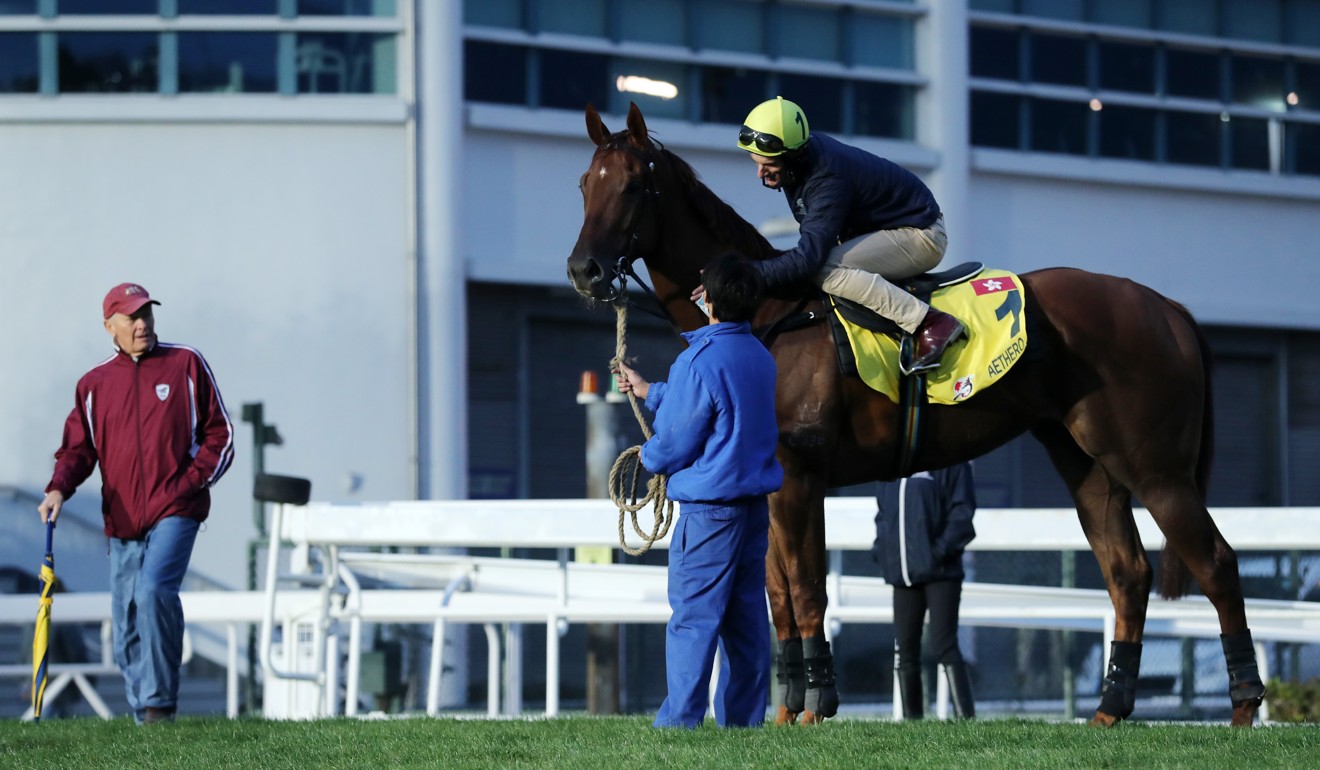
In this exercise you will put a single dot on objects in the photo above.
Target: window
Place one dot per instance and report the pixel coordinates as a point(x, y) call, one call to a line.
point(1068, 10)
point(18, 63)
point(727, 93)
point(345, 63)
point(996, 119)
point(1192, 73)
point(494, 73)
point(17, 7)
point(994, 53)
point(1258, 82)
point(1192, 138)
point(228, 62)
point(820, 98)
point(230, 7)
point(1306, 85)
point(346, 7)
point(573, 17)
point(1127, 132)
point(1304, 142)
point(106, 62)
point(883, 109)
point(729, 25)
point(1058, 126)
point(1193, 17)
point(1260, 20)
point(670, 99)
point(881, 41)
point(652, 21)
point(807, 32)
point(493, 13)
point(1302, 23)
point(1249, 142)
point(1057, 59)
point(90, 7)
point(571, 80)
point(1123, 13)
point(1127, 67)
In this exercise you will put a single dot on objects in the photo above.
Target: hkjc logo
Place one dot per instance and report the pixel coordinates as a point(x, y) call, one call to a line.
point(132, 289)
point(162, 392)
point(962, 389)
point(801, 207)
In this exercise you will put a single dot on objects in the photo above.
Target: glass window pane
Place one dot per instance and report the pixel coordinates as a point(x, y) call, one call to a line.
point(881, 41)
point(1058, 59)
point(883, 109)
point(94, 62)
point(1253, 20)
point(1058, 126)
point(1258, 82)
point(18, 63)
point(494, 73)
point(229, 62)
point(346, 7)
point(1307, 85)
point(1127, 67)
point(1192, 138)
point(659, 88)
point(994, 53)
point(1123, 13)
point(96, 7)
point(820, 98)
point(653, 21)
point(996, 6)
point(996, 120)
point(345, 63)
point(493, 13)
point(17, 7)
point(1192, 73)
point(1302, 23)
point(1127, 132)
point(730, 25)
point(1070, 10)
point(571, 80)
point(1304, 143)
point(1194, 17)
point(1249, 143)
point(573, 17)
point(727, 93)
point(808, 32)
point(234, 7)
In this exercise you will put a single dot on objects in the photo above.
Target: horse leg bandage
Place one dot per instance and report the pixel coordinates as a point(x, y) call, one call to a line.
point(1244, 683)
point(822, 698)
point(790, 675)
point(1118, 691)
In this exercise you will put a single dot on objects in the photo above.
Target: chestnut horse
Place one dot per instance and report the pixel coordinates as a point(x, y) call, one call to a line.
point(1119, 394)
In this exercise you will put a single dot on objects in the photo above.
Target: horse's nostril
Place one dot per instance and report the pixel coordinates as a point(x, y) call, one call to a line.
point(594, 272)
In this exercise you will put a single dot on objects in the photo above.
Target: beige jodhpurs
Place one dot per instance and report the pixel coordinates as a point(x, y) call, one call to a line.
point(857, 269)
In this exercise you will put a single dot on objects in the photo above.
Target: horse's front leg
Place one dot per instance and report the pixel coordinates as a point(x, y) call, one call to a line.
point(798, 565)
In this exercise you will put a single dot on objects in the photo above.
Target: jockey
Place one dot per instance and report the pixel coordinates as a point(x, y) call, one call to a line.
point(862, 219)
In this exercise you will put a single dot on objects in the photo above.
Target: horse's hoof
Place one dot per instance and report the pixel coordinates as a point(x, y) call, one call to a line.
point(1244, 713)
point(785, 717)
point(1101, 719)
point(813, 718)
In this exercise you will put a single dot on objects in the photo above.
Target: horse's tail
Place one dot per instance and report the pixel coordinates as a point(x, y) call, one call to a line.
point(1175, 577)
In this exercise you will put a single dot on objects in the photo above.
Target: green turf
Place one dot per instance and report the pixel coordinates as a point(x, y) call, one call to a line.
point(597, 743)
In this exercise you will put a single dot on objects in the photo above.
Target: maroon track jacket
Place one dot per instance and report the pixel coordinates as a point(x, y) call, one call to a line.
point(160, 432)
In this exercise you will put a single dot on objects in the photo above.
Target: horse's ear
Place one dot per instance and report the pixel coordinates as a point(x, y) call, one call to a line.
point(596, 127)
point(637, 126)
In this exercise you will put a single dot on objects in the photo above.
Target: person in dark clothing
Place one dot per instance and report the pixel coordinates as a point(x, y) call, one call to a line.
point(923, 524)
point(863, 221)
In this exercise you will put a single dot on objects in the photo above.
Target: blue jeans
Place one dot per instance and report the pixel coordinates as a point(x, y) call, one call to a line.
point(145, 576)
point(717, 593)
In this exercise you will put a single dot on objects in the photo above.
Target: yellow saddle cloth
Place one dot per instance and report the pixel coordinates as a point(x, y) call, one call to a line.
point(990, 306)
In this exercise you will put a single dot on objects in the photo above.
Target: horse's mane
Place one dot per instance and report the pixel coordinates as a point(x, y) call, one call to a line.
point(719, 216)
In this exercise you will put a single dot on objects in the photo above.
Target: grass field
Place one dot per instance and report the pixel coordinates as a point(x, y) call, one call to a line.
point(605, 743)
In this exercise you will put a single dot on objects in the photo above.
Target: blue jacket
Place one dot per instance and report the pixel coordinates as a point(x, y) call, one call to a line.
point(842, 192)
point(715, 425)
point(923, 524)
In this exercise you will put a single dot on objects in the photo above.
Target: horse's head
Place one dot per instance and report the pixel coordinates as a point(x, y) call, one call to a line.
point(619, 199)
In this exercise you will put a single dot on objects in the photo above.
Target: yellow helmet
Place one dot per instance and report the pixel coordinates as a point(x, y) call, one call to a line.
point(774, 127)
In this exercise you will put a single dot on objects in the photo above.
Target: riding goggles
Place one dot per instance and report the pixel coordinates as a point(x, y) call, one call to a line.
point(764, 142)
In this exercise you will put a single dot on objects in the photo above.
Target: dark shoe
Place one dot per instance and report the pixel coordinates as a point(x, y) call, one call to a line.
point(911, 694)
point(936, 331)
point(960, 690)
point(156, 716)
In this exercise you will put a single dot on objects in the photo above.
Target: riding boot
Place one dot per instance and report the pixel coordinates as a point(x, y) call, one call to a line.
point(822, 698)
point(960, 690)
point(790, 680)
point(1118, 691)
point(1245, 689)
point(911, 694)
point(936, 331)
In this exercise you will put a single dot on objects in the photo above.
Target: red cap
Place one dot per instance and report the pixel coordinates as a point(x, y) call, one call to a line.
point(126, 298)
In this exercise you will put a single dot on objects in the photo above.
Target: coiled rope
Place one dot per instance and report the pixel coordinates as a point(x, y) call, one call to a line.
point(627, 469)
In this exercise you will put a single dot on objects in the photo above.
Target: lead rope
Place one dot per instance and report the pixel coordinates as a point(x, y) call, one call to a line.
point(624, 474)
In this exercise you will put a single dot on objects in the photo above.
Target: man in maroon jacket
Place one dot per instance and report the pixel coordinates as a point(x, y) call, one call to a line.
point(151, 415)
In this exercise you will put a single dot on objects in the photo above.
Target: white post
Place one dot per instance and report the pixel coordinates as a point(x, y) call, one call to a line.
point(552, 666)
point(942, 117)
point(231, 672)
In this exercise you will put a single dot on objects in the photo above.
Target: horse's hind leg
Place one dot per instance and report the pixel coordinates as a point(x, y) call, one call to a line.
point(790, 675)
point(1104, 507)
point(1181, 515)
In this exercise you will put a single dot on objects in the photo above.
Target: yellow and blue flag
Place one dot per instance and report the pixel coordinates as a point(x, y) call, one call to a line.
point(41, 638)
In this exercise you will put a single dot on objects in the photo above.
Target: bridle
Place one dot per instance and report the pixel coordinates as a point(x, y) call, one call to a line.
point(623, 266)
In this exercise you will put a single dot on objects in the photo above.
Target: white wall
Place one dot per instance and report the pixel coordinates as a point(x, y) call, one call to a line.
point(280, 251)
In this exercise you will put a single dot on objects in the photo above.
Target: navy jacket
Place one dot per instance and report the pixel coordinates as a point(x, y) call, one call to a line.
point(716, 432)
point(923, 524)
point(842, 192)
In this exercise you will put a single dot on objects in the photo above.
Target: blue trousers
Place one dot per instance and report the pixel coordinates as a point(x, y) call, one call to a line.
point(145, 576)
point(717, 593)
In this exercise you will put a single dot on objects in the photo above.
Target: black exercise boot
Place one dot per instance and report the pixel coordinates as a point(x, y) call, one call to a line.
point(911, 695)
point(960, 690)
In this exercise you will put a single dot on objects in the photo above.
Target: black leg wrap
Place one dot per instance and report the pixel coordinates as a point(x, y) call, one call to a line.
point(790, 675)
point(1244, 683)
point(1118, 691)
point(822, 697)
